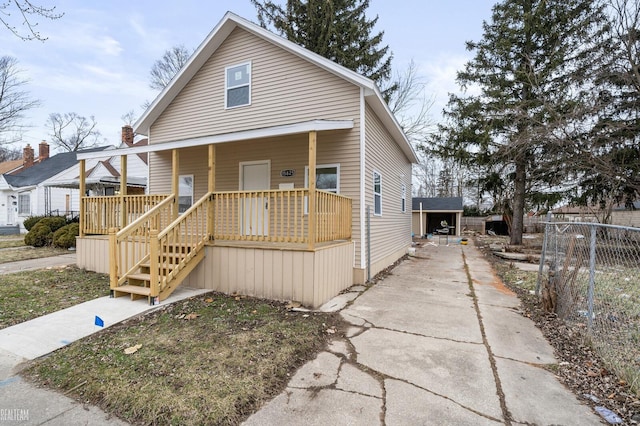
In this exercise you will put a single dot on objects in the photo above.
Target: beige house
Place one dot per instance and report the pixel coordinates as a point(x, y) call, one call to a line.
point(264, 159)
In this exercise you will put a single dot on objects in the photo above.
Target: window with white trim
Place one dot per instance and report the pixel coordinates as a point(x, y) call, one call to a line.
point(24, 204)
point(238, 85)
point(327, 179)
point(404, 198)
point(377, 194)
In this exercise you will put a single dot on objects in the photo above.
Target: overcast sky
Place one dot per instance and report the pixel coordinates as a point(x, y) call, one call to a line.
point(97, 58)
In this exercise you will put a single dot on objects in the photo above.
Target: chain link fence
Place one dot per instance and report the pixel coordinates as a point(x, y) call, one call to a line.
point(590, 277)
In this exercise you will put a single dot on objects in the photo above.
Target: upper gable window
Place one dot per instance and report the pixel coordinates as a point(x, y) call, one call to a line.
point(238, 85)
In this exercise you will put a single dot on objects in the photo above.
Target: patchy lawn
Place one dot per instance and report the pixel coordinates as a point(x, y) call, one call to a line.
point(22, 252)
point(212, 359)
point(11, 241)
point(30, 294)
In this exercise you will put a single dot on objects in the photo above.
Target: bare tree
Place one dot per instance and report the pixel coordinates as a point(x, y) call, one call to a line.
point(129, 118)
point(72, 132)
point(14, 101)
point(410, 103)
point(13, 11)
point(167, 67)
point(8, 154)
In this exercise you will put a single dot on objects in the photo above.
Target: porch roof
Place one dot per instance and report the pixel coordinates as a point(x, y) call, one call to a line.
point(287, 129)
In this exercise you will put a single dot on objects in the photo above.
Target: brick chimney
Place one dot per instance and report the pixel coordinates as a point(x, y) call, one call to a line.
point(27, 156)
point(127, 135)
point(43, 150)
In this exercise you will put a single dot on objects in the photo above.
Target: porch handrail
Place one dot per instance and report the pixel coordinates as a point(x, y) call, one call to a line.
point(280, 216)
point(183, 239)
point(129, 247)
point(103, 213)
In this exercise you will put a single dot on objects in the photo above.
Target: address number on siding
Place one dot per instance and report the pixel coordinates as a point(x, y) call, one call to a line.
point(287, 173)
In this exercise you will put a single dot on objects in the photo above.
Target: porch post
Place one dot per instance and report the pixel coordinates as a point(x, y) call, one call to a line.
point(123, 191)
point(312, 189)
point(175, 180)
point(211, 188)
point(82, 189)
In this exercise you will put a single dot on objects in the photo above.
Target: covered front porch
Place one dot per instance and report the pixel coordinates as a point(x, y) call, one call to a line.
point(286, 243)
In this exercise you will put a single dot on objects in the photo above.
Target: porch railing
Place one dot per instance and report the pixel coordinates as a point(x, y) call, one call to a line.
point(279, 216)
point(129, 247)
point(103, 213)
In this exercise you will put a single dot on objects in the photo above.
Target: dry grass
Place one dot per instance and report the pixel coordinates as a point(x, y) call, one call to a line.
point(30, 294)
point(11, 241)
point(16, 252)
point(212, 359)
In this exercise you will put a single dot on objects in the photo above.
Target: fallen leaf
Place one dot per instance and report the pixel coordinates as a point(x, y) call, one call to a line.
point(132, 349)
point(293, 304)
point(330, 331)
point(191, 316)
point(209, 300)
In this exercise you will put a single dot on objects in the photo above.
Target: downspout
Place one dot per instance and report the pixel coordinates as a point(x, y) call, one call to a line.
point(362, 209)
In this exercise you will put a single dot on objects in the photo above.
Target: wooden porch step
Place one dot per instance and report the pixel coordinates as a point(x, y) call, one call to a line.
point(134, 289)
point(139, 277)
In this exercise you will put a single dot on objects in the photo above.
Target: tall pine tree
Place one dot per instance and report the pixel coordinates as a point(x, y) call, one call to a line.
point(530, 69)
point(336, 29)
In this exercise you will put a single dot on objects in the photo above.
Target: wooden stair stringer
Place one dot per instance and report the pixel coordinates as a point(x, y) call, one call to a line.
point(182, 275)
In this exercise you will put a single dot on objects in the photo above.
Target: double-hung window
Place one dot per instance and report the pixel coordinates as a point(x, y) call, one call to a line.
point(238, 85)
point(377, 194)
point(24, 204)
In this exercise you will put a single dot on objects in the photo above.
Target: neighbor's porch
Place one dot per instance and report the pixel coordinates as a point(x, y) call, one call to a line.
point(277, 243)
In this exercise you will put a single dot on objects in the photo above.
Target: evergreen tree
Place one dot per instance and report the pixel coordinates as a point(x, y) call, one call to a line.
point(610, 172)
point(336, 29)
point(532, 67)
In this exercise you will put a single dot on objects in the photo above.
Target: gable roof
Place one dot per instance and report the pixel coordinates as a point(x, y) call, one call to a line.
point(218, 35)
point(46, 169)
point(8, 166)
point(437, 204)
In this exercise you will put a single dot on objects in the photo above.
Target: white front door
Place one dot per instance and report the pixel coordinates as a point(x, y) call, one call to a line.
point(11, 210)
point(255, 176)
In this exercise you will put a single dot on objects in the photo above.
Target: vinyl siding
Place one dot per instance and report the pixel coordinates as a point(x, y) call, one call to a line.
point(390, 232)
point(285, 89)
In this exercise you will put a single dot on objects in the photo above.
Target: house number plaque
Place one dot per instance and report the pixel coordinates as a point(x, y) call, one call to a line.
point(287, 173)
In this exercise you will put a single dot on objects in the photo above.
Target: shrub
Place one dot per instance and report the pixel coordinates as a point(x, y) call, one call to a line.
point(65, 237)
point(31, 221)
point(54, 222)
point(39, 236)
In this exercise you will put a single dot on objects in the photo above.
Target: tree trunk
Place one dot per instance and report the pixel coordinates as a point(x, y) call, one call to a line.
point(518, 202)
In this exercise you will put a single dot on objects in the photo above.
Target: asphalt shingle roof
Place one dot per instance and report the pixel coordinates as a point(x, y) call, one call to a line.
point(437, 203)
point(46, 169)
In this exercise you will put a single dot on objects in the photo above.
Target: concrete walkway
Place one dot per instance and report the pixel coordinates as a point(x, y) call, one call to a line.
point(440, 341)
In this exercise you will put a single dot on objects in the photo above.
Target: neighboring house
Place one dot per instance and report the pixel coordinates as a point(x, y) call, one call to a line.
point(429, 213)
point(29, 192)
point(234, 141)
point(103, 179)
point(50, 185)
point(621, 214)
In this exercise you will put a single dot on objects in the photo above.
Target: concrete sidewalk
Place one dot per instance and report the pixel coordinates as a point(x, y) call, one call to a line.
point(431, 344)
point(41, 263)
